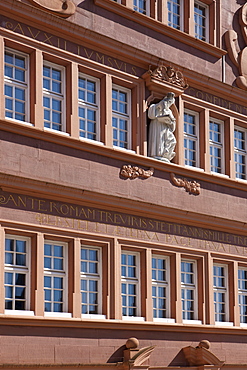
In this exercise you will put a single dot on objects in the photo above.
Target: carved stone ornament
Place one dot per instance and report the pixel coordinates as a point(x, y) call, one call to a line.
point(201, 356)
point(164, 79)
point(239, 57)
point(191, 187)
point(132, 172)
point(63, 8)
point(133, 356)
point(170, 75)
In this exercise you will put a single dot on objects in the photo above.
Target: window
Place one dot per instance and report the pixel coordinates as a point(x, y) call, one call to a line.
point(130, 284)
point(88, 93)
point(16, 85)
point(200, 18)
point(55, 277)
point(240, 153)
point(53, 96)
point(160, 287)
point(90, 280)
point(121, 117)
point(242, 295)
point(141, 6)
point(220, 292)
point(16, 275)
point(216, 145)
point(191, 155)
point(174, 14)
point(188, 289)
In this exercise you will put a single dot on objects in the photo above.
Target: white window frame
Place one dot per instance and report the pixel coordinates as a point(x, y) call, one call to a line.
point(59, 96)
point(156, 283)
point(140, 10)
point(15, 84)
point(181, 15)
point(218, 145)
point(190, 287)
point(242, 292)
point(87, 105)
point(206, 7)
point(118, 115)
point(95, 277)
point(132, 280)
point(193, 137)
point(241, 152)
point(9, 268)
point(223, 290)
point(50, 272)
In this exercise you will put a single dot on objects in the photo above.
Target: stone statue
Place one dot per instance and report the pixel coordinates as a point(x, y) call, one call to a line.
point(163, 123)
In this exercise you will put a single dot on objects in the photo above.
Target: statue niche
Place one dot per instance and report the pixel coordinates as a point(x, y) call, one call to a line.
point(161, 142)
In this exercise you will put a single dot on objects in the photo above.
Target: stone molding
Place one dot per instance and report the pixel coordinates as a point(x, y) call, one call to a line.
point(62, 8)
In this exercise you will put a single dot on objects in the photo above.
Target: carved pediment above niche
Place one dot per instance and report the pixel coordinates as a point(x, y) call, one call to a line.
point(164, 79)
point(62, 8)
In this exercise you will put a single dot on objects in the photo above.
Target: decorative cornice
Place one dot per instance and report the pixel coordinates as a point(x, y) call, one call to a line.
point(62, 8)
point(164, 79)
point(191, 187)
point(132, 172)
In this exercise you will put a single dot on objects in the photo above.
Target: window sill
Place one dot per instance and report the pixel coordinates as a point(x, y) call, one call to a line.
point(161, 28)
point(219, 174)
point(192, 322)
point(19, 313)
point(20, 122)
point(123, 149)
point(223, 323)
point(91, 141)
point(58, 314)
point(162, 320)
point(56, 131)
point(93, 316)
point(133, 318)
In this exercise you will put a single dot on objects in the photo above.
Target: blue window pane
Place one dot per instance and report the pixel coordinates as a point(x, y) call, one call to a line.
point(20, 259)
point(8, 58)
point(20, 279)
point(47, 262)
point(58, 307)
point(20, 293)
point(20, 305)
point(82, 83)
point(84, 285)
point(8, 292)
point(19, 61)
point(9, 258)
point(56, 74)
point(8, 305)
point(8, 71)
point(58, 264)
point(47, 295)
point(47, 307)
point(20, 75)
point(8, 278)
point(21, 246)
point(58, 296)
point(46, 71)
point(93, 268)
point(82, 95)
point(47, 282)
point(93, 286)
point(58, 250)
point(58, 283)
point(46, 83)
point(84, 267)
point(8, 90)
point(56, 87)
point(46, 102)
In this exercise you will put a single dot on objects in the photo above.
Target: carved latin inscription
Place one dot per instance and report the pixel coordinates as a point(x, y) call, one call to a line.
point(191, 187)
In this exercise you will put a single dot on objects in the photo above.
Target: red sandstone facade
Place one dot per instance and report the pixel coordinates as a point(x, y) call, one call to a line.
point(99, 241)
